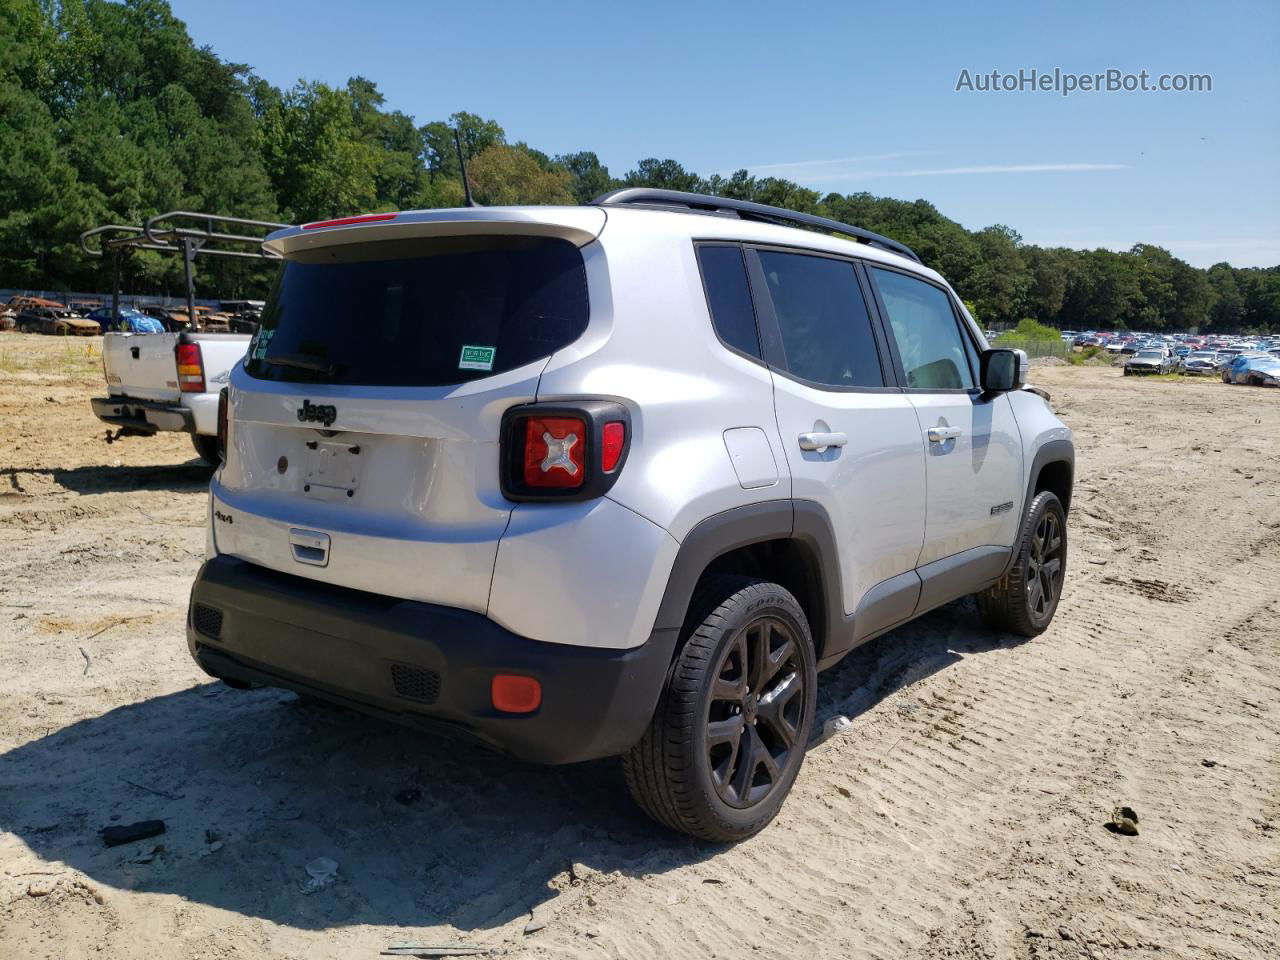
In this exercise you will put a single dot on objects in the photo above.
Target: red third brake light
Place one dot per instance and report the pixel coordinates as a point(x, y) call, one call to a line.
point(554, 452)
point(346, 221)
point(190, 368)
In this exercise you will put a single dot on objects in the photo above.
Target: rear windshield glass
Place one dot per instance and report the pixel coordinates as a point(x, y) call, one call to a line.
point(424, 312)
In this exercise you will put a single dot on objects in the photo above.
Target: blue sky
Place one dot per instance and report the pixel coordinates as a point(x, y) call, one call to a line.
point(843, 96)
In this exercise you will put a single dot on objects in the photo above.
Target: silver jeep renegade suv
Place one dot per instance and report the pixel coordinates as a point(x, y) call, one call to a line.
point(616, 479)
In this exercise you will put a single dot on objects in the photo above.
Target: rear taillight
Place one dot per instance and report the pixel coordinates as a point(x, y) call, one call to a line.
point(190, 368)
point(553, 452)
point(224, 414)
point(563, 451)
point(613, 439)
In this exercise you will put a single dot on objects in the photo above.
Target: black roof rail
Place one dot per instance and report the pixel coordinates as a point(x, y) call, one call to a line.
point(746, 210)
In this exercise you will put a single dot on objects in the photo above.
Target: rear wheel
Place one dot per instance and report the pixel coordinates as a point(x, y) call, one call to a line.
point(206, 448)
point(1024, 601)
point(729, 734)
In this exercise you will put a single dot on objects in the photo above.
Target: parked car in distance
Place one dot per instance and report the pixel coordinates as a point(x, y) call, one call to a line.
point(1149, 360)
point(56, 321)
point(245, 315)
point(209, 320)
point(1200, 363)
point(1254, 369)
point(126, 320)
point(174, 321)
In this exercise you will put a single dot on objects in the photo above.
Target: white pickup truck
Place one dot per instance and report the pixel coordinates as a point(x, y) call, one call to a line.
point(168, 381)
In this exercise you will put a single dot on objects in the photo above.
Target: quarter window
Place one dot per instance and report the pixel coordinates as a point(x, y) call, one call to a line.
point(823, 319)
point(729, 297)
point(924, 328)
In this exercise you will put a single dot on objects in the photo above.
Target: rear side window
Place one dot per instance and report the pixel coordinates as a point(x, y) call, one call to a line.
point(724, 274)
point(425, 312)
point(924, 327)
point(823, 319)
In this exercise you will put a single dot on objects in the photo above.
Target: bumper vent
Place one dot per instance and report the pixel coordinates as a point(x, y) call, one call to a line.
point(414, 683)
point(207, 620)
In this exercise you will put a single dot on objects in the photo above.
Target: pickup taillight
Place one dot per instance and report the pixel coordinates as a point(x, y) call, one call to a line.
point(563, 451)
point(190, 368)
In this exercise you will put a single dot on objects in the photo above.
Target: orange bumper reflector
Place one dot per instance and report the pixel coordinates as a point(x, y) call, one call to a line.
point(515, 694)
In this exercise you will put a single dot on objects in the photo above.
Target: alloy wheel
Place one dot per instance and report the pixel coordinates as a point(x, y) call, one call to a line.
point(1044, 566)
point(755, 712)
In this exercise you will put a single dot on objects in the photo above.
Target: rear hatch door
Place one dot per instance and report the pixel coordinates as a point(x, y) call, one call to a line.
point(364, 445)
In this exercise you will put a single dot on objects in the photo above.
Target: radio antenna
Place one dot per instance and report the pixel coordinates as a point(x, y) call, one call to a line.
point(462, 163)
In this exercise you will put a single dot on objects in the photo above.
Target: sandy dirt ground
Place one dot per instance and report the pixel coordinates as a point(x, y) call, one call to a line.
point(960, 814)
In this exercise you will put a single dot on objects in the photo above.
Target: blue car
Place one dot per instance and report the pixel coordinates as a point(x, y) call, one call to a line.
point(1257, 370)
point(125, 320)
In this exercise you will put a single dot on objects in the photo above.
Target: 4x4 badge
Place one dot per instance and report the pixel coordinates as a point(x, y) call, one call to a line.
point(317, 413)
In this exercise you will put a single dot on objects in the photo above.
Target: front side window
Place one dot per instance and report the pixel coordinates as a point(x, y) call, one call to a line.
point(924, 327)
point(823, 319)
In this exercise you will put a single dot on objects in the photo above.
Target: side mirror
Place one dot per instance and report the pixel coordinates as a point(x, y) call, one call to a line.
point(1003, 370)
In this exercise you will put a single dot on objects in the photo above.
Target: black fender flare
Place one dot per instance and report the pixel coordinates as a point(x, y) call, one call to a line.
point(1051, 451)
point(803, 522)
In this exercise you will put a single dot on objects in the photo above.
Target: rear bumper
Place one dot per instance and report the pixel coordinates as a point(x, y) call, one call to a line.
point(143, 416)
point(421, 664)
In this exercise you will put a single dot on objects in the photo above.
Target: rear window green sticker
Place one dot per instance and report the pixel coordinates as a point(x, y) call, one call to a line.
point(476, 358)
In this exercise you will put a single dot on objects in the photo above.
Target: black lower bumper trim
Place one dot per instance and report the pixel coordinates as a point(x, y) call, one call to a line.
point(143, 416)
point(346, 645)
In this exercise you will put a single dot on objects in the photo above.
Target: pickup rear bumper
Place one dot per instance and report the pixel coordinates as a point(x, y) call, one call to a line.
point(420, 664)
point(143, 416)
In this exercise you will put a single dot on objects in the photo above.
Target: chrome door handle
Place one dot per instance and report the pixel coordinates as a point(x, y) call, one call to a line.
point(820, 441)
point(943, 434)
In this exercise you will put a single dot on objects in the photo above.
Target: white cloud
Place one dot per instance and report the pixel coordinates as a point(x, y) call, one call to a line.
point(799, 167)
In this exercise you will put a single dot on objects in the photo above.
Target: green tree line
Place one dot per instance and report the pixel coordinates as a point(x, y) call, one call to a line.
point(110, 113)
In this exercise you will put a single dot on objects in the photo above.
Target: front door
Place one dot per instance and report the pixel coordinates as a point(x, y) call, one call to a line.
point(973, 448)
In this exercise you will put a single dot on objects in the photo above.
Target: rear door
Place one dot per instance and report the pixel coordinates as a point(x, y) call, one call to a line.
point(364, 442)
point(141, 366)
point(974, 450)
point(851, 439)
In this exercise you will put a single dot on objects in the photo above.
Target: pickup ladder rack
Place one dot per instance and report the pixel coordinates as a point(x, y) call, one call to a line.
point(745, 210)
point(181, 232)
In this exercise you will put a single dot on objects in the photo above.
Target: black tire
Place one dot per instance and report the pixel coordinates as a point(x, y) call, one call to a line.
point(206, 448)
point(688, 771)
point(1025, 600)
